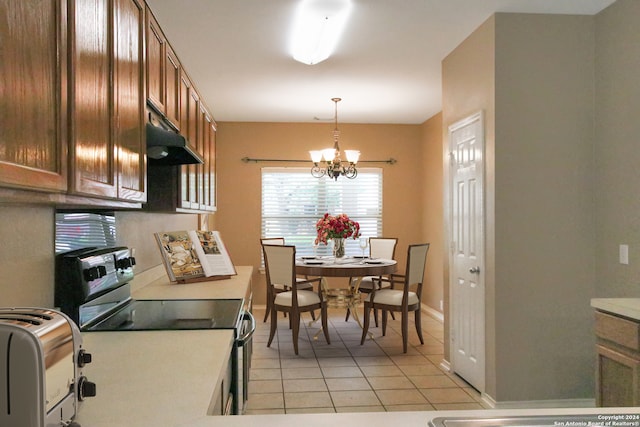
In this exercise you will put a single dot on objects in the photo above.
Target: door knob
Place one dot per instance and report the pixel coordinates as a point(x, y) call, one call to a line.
point(474, 270)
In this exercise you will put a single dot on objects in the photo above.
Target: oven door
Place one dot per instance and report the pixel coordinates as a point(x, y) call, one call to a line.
point(242, 361)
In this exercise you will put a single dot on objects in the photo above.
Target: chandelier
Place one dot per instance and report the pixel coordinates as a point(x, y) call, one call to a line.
point(332, 165)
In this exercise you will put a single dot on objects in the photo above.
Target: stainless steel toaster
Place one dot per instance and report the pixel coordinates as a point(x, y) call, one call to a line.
point(41, 358)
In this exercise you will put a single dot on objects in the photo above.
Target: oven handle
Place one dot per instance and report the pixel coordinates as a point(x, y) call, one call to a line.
point(247, 336)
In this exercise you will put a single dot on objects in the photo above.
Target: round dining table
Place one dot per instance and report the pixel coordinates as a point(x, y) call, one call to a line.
point(345, 267)
point(353, 267)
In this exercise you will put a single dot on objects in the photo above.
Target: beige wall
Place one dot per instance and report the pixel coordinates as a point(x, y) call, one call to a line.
point(617, 148)
point(432, 221)
point(468, 86)
point(239, 195)
point(532, 75)
point(26, 256)
point(544, 207)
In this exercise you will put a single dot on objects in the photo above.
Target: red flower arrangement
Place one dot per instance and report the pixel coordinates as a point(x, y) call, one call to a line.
point(331, 227)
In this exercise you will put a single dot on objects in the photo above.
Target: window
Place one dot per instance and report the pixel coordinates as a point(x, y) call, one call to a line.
point(293, 201)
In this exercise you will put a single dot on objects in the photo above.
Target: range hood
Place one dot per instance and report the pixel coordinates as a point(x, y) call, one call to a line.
point(165, 148)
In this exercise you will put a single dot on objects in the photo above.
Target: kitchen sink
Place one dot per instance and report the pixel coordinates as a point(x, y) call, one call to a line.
point(530, 421)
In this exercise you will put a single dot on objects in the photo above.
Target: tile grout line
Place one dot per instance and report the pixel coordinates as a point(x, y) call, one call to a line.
point(341, 337)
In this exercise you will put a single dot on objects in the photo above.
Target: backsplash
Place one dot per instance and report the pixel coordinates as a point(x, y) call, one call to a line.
point(77, 230)
point(28, 248)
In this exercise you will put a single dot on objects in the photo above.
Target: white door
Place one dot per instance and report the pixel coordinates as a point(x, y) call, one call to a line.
point(466, 254)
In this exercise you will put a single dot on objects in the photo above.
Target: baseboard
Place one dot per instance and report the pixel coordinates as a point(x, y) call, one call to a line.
point(432, 313)
point(538, 404)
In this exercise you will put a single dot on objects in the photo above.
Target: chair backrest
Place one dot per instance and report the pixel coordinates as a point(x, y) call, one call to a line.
point(272, 241)
point(382, 247)
point(416, 261)
point(280, 264)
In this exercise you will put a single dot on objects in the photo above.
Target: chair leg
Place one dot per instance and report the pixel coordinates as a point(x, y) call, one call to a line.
point(266, 312)
point(405, 330)
point(295, 327)
point(274, 324)
point(325, 324)
point(385, 314)
point(365, 327)
point(313, 315)
point(418, 321)
point(346, 318)
point(375, 316)
point(269, 303)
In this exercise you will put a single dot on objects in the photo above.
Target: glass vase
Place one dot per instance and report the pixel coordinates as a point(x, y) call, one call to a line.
point(338, 247)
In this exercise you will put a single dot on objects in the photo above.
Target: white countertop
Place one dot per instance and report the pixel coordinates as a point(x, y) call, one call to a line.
point(152, 378)
point(627, 307)
point(154, 284)
point(159, 378)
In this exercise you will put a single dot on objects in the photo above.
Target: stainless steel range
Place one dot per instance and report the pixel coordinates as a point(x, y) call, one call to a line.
point(92, 287)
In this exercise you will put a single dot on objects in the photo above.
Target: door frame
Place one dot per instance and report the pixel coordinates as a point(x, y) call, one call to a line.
point(475, 117)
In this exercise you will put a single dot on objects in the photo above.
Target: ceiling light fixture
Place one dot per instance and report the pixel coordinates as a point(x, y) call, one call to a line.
point(334, 167)
point(317, 27)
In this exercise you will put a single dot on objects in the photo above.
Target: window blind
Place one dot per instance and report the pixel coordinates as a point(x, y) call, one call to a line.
point(293, 201)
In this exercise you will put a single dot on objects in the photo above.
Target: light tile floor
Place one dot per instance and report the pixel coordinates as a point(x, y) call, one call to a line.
point(345, 376)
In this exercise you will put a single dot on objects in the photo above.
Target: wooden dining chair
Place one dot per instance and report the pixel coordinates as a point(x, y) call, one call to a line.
point(400, 300)
point(379, 247)
point(280, 266)
point(280, 288)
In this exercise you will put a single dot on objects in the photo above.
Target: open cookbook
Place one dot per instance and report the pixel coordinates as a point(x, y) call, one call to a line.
point(194, 255)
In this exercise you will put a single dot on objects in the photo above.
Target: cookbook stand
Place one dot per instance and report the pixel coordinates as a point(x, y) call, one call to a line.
point(201, 279)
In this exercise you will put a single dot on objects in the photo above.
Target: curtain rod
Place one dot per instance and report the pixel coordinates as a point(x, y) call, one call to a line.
point(390, 161)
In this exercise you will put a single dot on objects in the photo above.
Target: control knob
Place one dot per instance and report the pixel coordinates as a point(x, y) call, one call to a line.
point(85, 388)
point(83, 358)
point(125, 263)
point(94, 273)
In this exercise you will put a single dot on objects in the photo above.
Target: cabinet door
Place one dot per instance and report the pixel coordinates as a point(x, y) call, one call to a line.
point(189, 188)
point(33, 94)
point(208, 168)
point(129, 99)
point(172, 88)
point(156, 45)
point(92, 146)
point(617, 378)
point(212, 167)
point(205, 187)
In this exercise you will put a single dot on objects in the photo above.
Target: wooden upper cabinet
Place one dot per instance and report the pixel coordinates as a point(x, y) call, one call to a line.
point(91, 143)
point(108, 143)
point(129, 118)
point(156, 54)
point(190, 198)
point(208, 198)
point(212, 168)
point(33, 105)
point(172, 88)
point(183, 188)
point(163, 73)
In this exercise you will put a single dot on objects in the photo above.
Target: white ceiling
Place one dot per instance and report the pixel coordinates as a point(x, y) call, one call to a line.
point(386, 69)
